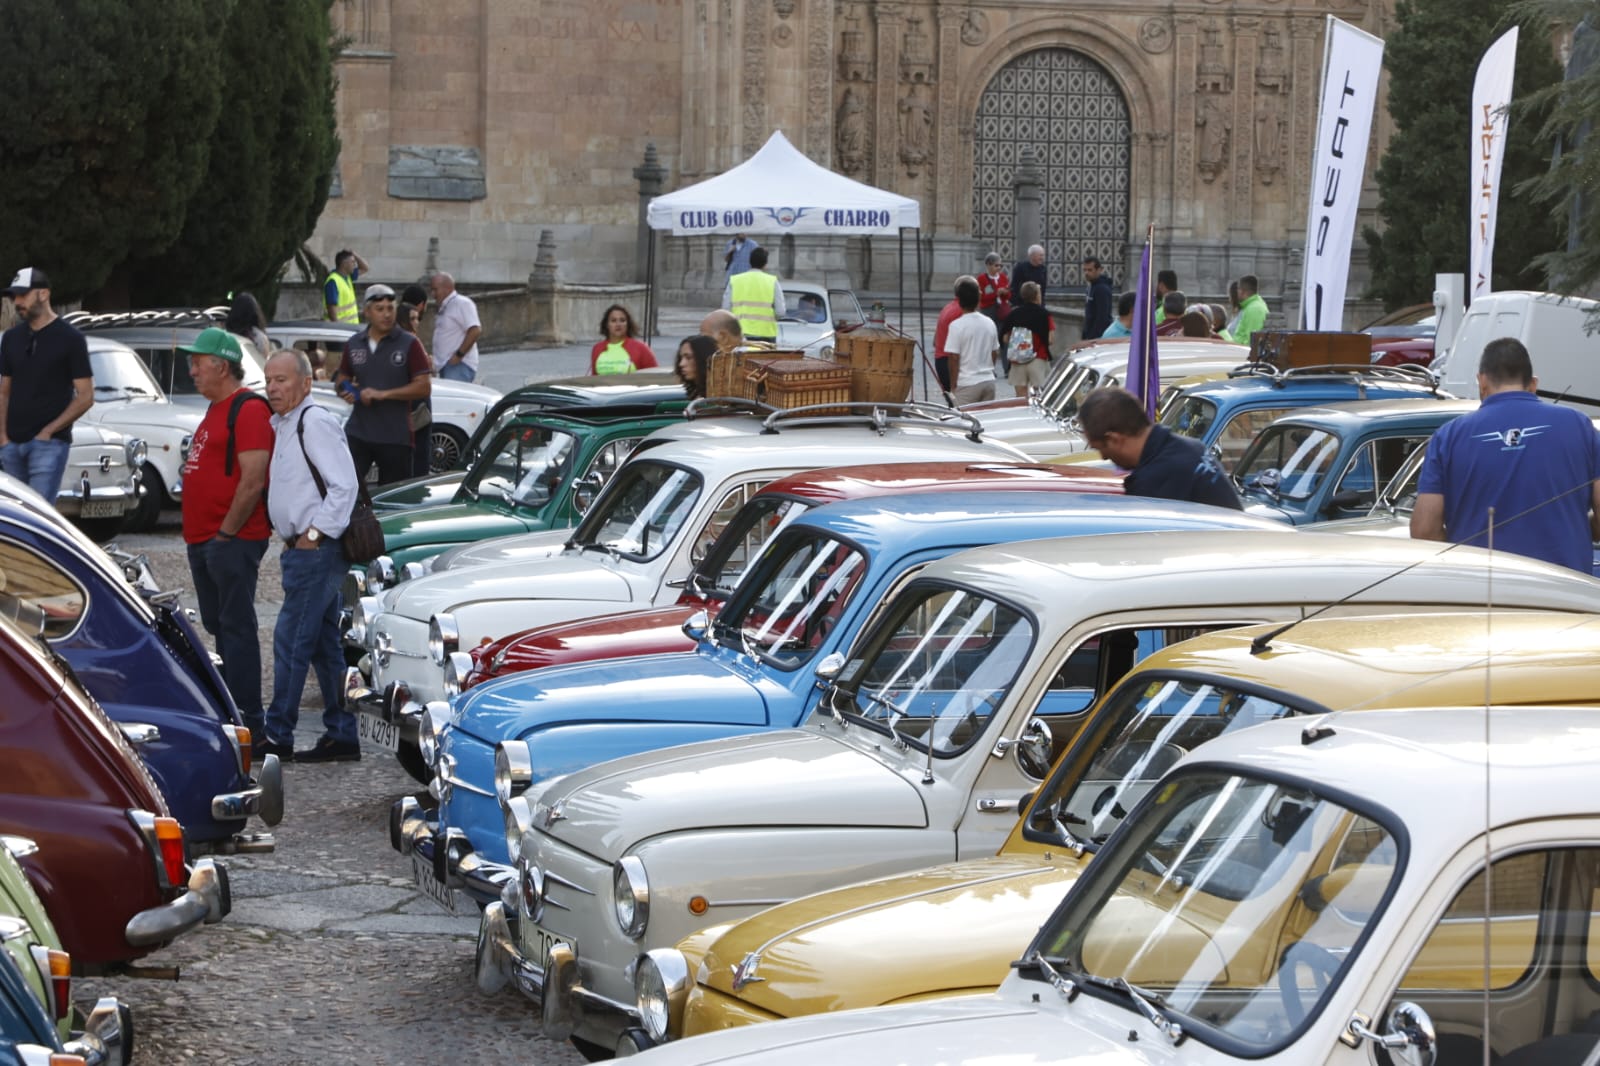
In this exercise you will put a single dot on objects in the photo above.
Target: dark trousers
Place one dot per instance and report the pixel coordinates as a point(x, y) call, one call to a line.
point(306, 638)
point(225, 573)
point(393, 460)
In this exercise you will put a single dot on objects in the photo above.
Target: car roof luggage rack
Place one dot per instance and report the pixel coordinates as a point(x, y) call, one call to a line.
point(1353, 372)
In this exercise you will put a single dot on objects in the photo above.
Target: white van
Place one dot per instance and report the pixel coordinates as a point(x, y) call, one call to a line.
point(1558, 332)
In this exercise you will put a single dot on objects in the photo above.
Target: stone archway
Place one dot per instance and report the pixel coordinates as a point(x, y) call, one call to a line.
point(1072, 111)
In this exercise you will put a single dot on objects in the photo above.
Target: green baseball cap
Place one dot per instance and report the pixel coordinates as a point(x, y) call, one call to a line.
point(217, 342)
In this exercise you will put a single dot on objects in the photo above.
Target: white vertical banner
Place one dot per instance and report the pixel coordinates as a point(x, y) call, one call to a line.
point(1491, 98)
point(1352, 59)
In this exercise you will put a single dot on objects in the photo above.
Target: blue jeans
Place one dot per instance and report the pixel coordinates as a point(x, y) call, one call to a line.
point(307, 637)
point(40, 462)
point(225, 573)
point(458, 372)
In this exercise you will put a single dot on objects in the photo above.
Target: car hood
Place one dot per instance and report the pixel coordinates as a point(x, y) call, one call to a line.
point(422, 492)
point(446, 525)
point(611, 636)
point(1260, 509)
point(465, 390)
point(946, 929)
point(785, 778)
point(1379, 525)
point(157, 414)
point(522, 548)
point(653, 688)
point(563, 577)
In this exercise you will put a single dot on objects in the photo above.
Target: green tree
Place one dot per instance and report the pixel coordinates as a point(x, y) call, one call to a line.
point(272, 157)
point(110, 104)
point(1423, 195)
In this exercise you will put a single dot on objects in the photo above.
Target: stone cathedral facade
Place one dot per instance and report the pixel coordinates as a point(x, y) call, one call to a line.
point(470, 128)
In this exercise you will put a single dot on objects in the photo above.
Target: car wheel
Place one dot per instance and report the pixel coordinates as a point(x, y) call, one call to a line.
point(411, 762)
point(448, 445)
point(100, 530)
point(591, 1051)
point(148, 511)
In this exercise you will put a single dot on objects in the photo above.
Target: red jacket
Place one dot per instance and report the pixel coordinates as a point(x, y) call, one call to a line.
point(643, 358)
point(994, 294)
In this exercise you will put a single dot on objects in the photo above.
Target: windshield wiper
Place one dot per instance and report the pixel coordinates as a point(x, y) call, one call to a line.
point(1068, 838)
point(1148, 1004)
point(595, 545)
point(472, 493)
point(894, 713)
point(1066, 986)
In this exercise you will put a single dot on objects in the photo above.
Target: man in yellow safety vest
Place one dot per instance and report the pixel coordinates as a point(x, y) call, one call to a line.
point(339, 291)
point(756, 300)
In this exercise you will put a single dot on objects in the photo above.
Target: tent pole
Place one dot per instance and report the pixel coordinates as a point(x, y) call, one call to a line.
point(650, 289)
point(920, 325)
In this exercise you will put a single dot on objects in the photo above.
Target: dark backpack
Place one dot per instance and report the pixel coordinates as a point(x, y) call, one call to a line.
point(233, 416)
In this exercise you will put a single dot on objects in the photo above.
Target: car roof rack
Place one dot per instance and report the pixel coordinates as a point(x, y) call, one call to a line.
point(1354, 372)
point(876, 416)
point(193, 316)
point(723, 406)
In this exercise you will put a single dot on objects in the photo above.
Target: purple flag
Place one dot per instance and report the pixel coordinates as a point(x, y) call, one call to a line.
point(1144, 369)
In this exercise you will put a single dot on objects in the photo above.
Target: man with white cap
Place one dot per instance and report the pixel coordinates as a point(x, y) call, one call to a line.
point(384, 368)
point(45, 385)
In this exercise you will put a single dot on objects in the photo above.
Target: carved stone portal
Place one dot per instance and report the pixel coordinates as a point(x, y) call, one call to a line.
point(855, 57)
point(1271, 127)
point(1214, 75)
point(1212, 120)
point(852, 136)
point(916, 128)
point(1272, 61)
point(916, 56)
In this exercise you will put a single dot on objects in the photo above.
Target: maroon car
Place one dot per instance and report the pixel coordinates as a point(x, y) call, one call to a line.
point(660, 629)
point(112, 865)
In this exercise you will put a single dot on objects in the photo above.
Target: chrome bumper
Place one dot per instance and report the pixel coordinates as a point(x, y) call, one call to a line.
point(107, 1035)
point(266, 799)
point(393, 704)
point(455, 863)
point(206, 901)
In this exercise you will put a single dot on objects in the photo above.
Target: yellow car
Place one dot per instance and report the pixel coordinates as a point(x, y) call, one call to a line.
point(955, 929)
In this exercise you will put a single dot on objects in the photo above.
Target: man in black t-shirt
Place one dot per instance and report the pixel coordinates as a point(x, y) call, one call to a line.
point(1160, 464)
point(45, 385)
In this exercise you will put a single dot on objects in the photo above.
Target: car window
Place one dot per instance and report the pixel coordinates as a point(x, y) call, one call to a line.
point(740, 553)
point(1453, 955)
point(795, 598)
point(1370, 470)
point(527, 466)
point(1288, 462)
point(117, 370)
point(1234, 438)
point(1190, 416)
point(641, 511)
point(846, 310)
point(720, 565)
point(38, 594)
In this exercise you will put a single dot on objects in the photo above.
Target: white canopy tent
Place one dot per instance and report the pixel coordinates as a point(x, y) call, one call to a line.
point(779, 191)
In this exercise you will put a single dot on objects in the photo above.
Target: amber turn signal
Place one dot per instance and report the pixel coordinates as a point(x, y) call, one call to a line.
point(169, 836)
point(698, 904)
point(246, 753)
point(61, 982)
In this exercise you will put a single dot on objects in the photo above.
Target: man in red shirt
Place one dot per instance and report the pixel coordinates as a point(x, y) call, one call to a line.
point(941, 329)
point(224, 516)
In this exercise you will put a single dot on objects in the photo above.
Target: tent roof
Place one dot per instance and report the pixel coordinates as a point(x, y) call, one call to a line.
point(779, 190)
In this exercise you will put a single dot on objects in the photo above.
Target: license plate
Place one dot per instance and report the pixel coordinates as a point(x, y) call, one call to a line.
point(99, 509)
point(377, 732)
point(535, 943)
point(422, 874)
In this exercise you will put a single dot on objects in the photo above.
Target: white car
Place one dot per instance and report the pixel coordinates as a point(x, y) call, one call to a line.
point(813, 314)
point(634, 547)
point(100, 488)
point(1045, 425)
point(1302, 891)
point(996, 655)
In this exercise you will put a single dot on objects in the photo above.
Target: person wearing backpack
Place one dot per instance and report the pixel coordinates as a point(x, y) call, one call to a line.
point(224, 513)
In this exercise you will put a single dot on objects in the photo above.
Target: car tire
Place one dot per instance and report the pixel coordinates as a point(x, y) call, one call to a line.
point(100, 530)
point(147, 512)
point(448, 446)
point(591, 1051)
point(411, 762)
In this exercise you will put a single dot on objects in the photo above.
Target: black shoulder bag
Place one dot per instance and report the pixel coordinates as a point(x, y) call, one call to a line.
point(363, 537)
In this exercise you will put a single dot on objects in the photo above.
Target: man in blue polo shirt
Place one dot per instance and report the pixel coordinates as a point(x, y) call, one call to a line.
point(1536, 464)
point(1160, 464)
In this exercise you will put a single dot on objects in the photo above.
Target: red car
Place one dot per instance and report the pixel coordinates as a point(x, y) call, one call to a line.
point(660, 630)
point(112, 864)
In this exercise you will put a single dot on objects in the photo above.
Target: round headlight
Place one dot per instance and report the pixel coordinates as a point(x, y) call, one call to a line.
point(630, 893)
point(518, 819)
point(380, 573)
point(413, 570)
point(530, 889)
point(513, 769)
point(430, 731)
point(363, 623)
point(351, 588)
point(138, 451)
point(457, 668)
point(443, 637)
point(660, 985)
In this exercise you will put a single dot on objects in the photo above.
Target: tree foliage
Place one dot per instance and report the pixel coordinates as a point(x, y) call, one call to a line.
point(1424, 199)
point(99, 153)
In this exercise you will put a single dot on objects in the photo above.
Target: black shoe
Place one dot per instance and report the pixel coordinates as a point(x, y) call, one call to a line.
point(260, 749)
point(329, 750)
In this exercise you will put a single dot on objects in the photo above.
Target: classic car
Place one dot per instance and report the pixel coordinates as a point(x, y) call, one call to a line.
point(100, 488)
point(46, 970)
point(657, 630)
point(76, 788)
point(1045, 426)
point(1307, 891)
point(652, 522)
point(1404, 337)
point(1319, 463)
point(637, 853)
point(816, 583)
point(142, 660)
point(813, 315)
point(954, 929)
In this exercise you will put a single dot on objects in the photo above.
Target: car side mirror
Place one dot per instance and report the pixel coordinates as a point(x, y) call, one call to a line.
point(1346, 499)
point(828, 669)
point(696, 626)
point(586, 489)
point(1409, 1036)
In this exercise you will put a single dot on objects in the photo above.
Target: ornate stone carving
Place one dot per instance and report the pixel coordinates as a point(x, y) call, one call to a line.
point(1211, 118)
point(784, 8)
point(852, 139)
point(1155, 36)
point(916, 53)
point(754, 89)
point(1271, 130)
point(1214, 74)
point(783, 35)
point(819, 81)
point(974, 28)
point(1272, 61)
point(855, 56)
point(916, 128)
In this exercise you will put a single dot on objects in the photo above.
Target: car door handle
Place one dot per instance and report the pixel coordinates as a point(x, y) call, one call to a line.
point(990, 804)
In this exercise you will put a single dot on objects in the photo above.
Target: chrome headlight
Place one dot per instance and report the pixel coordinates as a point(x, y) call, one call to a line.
point(444, 637)
point(363, 621)
point(530, 889)
point(661, 985)
point(630, 896)
point(519, 819)
point(352, 588)
point(513, 769)
point(380, 573)
point(457, 667)
point(413, 570)
point(430, 731)
point(138, 451)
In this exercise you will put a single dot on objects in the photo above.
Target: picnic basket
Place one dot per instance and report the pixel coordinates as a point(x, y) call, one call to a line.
point(789, 383)
point(881, 362)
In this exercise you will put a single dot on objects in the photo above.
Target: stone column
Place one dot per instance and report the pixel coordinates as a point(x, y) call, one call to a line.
point(1245, 29)
point(542, 290)
point(886, 152)
point(1027, 189)
point(1304, 32)
point(1185, 58)
point(948, 179)
point(650, 175)
point(818, 18)
point(753, 91)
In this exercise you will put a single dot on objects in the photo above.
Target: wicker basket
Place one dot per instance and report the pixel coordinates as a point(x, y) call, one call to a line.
point(730, 372)
point(789, 383)
point(881, 364)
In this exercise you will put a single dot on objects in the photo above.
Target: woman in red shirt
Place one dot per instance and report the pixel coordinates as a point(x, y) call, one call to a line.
point(619, 350)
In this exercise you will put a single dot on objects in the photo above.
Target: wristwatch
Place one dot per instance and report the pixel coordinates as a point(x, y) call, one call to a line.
point(313, 534)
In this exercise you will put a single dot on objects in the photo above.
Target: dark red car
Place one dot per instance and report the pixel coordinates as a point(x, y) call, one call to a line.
point(112, 865)
point(660, 629)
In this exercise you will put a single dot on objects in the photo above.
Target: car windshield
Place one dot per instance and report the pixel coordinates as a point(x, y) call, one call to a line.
point(1288, 462)
point(641, 510)
point(1190, 416)
point(1229, 905)
point(941, 667)
point(1065, 391)
point(37, 594)
point(719, 567)
point(804, 307)
point(1145, 727)
point(526, 466)
point(118, 370)
point(1400, 495)
point(793, 600)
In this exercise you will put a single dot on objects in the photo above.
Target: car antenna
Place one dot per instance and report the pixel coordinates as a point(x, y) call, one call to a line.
point(1488, 763)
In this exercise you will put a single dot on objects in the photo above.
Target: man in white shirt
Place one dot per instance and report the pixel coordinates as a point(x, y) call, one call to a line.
point(455, 331)
point(314, 489)
point(971, 346)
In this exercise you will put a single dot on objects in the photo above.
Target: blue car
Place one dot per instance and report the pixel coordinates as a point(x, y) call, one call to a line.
point(142, 661)
point(803, 601)
point(1322, 463)
point(28, 1035)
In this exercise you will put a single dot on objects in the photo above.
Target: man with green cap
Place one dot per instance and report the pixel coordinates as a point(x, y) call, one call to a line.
point(225, 517)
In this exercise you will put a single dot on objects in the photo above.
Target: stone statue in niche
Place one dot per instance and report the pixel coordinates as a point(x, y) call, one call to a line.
point(916, 53)
point(1215, 125)
point(1272, 61)
point(855, 58)
point(916, 128)
point(1213, 75)
point(851, 125)
point(1270, 125)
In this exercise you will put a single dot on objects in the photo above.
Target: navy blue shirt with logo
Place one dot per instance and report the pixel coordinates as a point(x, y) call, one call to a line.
point(1177, 468)
point(1533, 462)
point(397, 359)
